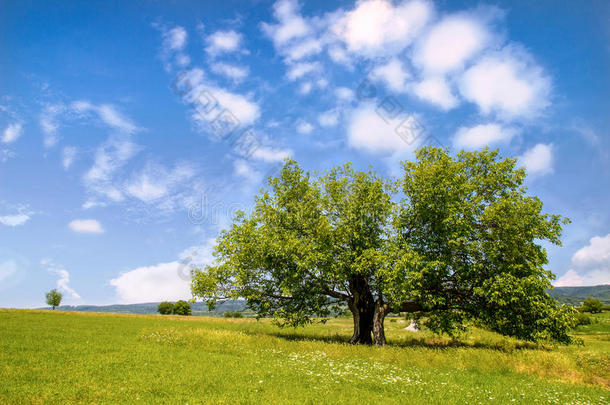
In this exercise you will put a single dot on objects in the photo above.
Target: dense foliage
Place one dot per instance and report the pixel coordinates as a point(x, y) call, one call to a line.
point(233, 314)
point(592, 305)
point(54, 298)
point(165, 308)
point(454, 239)
point(582, 319)
point(182, 308)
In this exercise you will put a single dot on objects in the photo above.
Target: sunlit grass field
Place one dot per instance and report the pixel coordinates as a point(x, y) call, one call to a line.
point(61, 357)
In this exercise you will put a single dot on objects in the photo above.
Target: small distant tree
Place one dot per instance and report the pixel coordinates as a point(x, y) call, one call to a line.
point(54, 298)
point(182, 308)
point(592, 305)
point(233, 314)
point(165, 308)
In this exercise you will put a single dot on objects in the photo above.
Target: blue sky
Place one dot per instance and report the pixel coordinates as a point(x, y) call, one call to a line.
point(131, 131)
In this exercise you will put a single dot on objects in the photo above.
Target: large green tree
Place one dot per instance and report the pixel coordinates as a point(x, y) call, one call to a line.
point(54, 298)
point(470, 247)
point(455, 239)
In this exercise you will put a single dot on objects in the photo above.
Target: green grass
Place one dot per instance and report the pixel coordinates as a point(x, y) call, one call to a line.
point(60, 357)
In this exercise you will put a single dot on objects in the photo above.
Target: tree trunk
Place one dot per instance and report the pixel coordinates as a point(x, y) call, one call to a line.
point(363, 325)
point(362, 306)
point(381, 311)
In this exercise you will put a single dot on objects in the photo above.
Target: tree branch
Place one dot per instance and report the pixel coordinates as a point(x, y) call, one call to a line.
point(337, 294)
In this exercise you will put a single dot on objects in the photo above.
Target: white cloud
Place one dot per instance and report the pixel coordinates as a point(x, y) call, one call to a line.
point(198, 256)
point(509, 83)
point(233, 72)
point(107, 113)
point(6, 154)
point(68, 154)
point(482, 135)
point(435, 90)
point(109, 158)
point(570, 279)
point(368, 131)
point(208, 101)
point(161, 282)
point(49, 123)
point(304, 128)
point(86, 226)
point(223, 42)
point(271, 155)
point(291, 25)
point(298, 70)
point(328, 119)
point(339, 55)
point(296, 38)
point(344, 94)
point(174, 43)
point(378, 27)
point(241, 168)
point(175, 39)
point(588, 134)
point(303, 49)
point(450, 43)
point(593, 137)
point(153, 189)
point(538, 160)
point(191, 78)
point(182, 59)
point(596, 254)
point(14, 220)
point(19, 215)
point(115, 119)
point(155, 182)
point(164, 281)
point(242, 107)
point(590, 264)
point(146, 189)
point(393, 74)
point(11, 133)
point(63, 283)
point(92, 203)
point(305, 88)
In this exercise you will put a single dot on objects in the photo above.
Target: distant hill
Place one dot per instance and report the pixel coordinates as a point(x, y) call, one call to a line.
point(199, 308)
point(575, 295)
point(567, 295)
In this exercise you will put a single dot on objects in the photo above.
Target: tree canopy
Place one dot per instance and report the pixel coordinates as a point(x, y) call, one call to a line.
point(455, 239)
point(165, 308)
point(592, 305)
point(54, 298)
point(182, 307)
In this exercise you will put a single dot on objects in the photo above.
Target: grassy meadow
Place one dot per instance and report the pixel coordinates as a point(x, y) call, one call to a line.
point(66, 357)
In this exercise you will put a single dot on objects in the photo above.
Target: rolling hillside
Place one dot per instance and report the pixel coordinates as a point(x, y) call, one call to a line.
point(199, 308)
point(567, 295)
point(575, 295)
